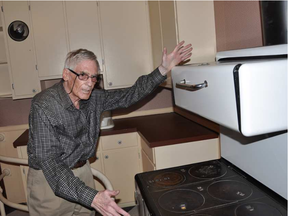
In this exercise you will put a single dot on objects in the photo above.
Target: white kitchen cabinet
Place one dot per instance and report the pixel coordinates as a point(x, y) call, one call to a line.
point(83, 26)
point(5, 84)
point(179, 154)
point(126, 42)
point(20, 54)
point(191, 21)
point(50, 35)
point(121, 162)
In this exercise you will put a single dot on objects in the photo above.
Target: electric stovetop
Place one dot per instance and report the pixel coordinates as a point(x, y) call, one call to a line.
point(212, 188)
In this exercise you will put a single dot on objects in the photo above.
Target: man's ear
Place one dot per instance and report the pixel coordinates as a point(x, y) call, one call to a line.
point(65, 74)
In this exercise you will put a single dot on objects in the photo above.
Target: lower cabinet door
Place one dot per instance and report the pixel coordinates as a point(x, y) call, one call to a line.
point(120, 166)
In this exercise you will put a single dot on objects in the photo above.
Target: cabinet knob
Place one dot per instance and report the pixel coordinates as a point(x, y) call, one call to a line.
point(2, 137)
point(34, 91)
point(119, 142)
point(106, 156)
point(110, 83)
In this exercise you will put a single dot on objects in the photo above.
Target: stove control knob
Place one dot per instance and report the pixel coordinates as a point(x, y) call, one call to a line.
point(200, 188)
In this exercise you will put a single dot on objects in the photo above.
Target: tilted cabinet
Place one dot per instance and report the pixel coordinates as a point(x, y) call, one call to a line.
point(20, 54)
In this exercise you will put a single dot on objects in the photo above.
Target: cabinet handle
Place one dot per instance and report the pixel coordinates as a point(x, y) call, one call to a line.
point(2, 137)
point(106, 156)
point(182, 85)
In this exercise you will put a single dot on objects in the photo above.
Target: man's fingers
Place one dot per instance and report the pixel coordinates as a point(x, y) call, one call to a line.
point(185, 52)
point(122, 212)
point(186, 48)
point(179, 46)
point(111, 193)
point(119, 210)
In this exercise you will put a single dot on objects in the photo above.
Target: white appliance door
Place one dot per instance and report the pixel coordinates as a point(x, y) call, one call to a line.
point(263, 97)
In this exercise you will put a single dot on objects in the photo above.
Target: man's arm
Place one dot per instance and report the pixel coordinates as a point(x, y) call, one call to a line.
point(147, 83)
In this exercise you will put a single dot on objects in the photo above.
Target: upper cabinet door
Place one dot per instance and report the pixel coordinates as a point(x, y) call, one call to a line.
point(196, 25)
point(20, 50)
point(83, 26)
point(127, 42)
point(50, 36)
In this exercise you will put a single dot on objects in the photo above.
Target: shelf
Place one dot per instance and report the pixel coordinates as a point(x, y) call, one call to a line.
point(5, 95)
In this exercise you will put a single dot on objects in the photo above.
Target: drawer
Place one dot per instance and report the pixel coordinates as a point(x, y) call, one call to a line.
point(119, 141)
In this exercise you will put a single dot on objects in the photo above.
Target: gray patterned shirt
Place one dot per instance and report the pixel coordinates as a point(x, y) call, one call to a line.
point(61, 135)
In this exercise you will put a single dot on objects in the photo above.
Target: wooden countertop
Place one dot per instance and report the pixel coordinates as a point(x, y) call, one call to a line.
point(156, 130)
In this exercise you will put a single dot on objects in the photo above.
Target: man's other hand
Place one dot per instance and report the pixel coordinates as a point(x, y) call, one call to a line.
point(104, 203)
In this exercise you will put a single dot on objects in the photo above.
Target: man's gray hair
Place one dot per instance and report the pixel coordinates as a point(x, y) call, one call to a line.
point(73, 58)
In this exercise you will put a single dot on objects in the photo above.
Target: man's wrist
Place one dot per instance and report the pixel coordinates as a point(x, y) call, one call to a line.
point(163, 70)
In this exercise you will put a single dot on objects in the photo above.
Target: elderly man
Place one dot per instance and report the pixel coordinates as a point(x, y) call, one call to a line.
point(64, 126)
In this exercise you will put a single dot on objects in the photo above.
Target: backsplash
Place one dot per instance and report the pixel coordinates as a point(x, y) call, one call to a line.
point(16, 112)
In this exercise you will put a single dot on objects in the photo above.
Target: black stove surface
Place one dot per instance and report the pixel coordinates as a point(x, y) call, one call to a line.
point(209, 188)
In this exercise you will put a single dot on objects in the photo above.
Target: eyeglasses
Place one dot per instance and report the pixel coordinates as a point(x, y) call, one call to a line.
point(84, 76)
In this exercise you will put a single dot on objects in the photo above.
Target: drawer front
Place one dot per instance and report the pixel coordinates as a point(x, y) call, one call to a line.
point(119, 141)
point(263, 97)
point(215, 102)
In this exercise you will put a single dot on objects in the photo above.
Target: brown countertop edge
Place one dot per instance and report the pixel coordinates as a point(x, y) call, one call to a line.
point(157, 130)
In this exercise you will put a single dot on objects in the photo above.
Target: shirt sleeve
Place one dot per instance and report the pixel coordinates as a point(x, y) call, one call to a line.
point(126, 97)
point(46, 154)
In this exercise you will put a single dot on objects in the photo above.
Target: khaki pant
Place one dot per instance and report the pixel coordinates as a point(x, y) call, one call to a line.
point(43, 202)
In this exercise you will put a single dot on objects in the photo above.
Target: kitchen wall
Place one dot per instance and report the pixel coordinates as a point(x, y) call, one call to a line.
point(238, 25)
point(16, 112)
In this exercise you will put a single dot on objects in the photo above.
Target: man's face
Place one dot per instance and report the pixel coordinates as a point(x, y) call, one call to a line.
point(81, 89)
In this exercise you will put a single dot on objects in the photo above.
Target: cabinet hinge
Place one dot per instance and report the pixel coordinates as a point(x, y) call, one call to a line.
point(103, 61)
point(24, 171)
point(2, 9)
point(12, 85)
point(29, 7)
point(97, 4)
